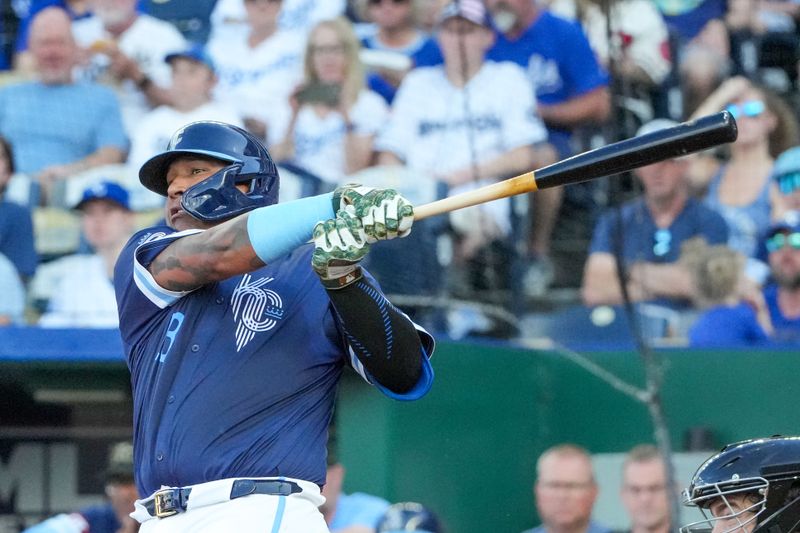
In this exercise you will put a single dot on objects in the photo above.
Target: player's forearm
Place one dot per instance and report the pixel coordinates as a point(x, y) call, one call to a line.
point(384, 340)
point(239, 245)
point(592, 107)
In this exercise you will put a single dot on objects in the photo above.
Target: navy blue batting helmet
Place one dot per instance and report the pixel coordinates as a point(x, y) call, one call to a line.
point(762, 475)
point(217, 198)
point(408, 516)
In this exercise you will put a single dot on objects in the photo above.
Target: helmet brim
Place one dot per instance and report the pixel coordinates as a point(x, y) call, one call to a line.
point(153, 174)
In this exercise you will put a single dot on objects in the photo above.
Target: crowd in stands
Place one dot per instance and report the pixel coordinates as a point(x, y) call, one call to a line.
point(433, 98)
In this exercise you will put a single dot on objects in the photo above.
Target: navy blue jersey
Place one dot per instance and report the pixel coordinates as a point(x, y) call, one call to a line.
point(236, 378)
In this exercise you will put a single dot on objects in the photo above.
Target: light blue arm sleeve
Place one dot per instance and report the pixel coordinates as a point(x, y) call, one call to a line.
point(278, 229)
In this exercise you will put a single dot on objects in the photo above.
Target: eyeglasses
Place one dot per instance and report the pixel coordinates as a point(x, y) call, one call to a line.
point(663, 238)
point(779, 240)
point(788, 183)
point(751, 108)
point(329, 50)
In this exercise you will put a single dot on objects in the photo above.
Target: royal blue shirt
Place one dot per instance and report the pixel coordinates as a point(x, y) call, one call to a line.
point(727, 327)
point(787, 330)
point(560, 63)
point(17, 239)
point(236, 378)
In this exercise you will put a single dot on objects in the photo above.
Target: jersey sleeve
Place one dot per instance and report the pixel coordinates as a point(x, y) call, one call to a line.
point(580, 69)
point(601, 238)
point(139, 297)
point(523, 126)
point(399, 134)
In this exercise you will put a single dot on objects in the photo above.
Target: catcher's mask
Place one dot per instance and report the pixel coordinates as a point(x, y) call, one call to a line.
point(751, 486)
point(216, 198)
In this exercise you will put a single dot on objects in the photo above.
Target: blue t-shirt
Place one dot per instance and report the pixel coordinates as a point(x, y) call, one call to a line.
point(236, 378)
point(59, 124)
point(559, 61)
point(16, 238)
point(727, 327)
point(686, 18)
point(192, 19)
point(643, 241)
point(357, 509)
point(787, 330)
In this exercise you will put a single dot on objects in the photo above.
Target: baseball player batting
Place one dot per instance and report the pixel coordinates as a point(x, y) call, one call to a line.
point(236, 333)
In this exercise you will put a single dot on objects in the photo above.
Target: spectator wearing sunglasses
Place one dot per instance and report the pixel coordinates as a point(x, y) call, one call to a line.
point(786, 175)
point(782, 294)
point(740, 188)
point(646, 234)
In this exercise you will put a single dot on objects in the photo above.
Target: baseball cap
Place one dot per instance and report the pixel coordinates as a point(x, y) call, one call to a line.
point(786, 171)
point(655, 125)
point(408, 516)
point(196, 52)
point(105, 190)
point(472, 10)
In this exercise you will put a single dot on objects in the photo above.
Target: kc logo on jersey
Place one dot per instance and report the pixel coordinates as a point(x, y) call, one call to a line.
point(255, 309)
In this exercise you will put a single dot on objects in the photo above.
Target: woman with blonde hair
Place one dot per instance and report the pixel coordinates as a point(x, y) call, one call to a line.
point(333, 117)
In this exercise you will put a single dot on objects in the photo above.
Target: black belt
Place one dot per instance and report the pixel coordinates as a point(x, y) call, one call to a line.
point(167, 502)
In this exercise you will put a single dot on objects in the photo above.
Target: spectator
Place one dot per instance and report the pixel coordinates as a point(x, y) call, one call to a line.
point(258, 66)
point(409, 516)
point(786, 174)
point(76, 9)
point(110, 517)
point(79, 286)
point(16, 224)
point(646, 233)
point(58, 127)
point(193, 82)
point(697, 24)
point(726, 320)
point(782, 293)
point(467, 123)
point(571, 93)
point(334, 117)
point(741, 189)
point(565, 491)
point(356, 512)
point(645, 490)
point(396, 32)
point(126, 51)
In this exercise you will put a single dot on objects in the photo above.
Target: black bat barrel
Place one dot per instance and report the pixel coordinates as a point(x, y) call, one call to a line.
point(686, 138)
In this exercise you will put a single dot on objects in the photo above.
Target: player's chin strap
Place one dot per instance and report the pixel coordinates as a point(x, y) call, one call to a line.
point(384, 339)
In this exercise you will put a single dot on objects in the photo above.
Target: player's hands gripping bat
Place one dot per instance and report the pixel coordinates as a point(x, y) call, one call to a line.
point(384, 213)
point(339, 246)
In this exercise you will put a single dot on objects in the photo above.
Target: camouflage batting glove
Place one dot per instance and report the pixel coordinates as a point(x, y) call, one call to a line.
point(339, 245)
point(385, 213)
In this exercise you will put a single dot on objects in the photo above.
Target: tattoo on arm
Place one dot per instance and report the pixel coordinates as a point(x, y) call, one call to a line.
point(202, 258)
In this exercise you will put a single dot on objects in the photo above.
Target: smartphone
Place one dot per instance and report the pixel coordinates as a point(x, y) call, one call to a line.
point(320, 93)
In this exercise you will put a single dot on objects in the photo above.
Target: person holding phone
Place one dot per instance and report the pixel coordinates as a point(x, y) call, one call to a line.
point(331, 118)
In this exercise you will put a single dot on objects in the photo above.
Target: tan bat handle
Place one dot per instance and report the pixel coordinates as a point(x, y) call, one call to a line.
point(502, 189)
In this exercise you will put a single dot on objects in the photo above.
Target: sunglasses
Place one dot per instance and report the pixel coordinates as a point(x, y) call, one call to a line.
point(751, 108)
point(663, 240)
point(788, 183)
point(779, 240)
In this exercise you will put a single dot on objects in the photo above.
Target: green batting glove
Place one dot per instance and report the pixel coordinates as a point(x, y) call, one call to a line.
point(384, 213)
point(339, 246)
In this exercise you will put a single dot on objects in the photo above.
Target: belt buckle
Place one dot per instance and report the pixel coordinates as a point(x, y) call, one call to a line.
point(166, 503)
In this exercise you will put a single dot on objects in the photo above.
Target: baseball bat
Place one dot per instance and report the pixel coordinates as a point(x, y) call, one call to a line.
point(686, 138)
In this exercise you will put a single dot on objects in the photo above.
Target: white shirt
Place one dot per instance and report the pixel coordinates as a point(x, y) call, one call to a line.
point(147, 41)
point(83, 295)
point(152, 134)
point(319, 142)
point(255, 81)
point(428, 129)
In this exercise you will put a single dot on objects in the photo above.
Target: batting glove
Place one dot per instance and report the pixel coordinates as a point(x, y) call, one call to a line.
point(384, 213)
point(339, 245)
